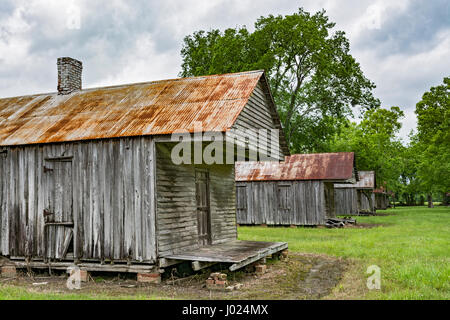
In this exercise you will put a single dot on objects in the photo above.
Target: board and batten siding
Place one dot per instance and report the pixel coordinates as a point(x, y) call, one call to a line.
point(330, 207)
point(365, 204)
point(257, 114)
point(346, 201)
point(281, 202)
point(111, 189)
point(176, 203)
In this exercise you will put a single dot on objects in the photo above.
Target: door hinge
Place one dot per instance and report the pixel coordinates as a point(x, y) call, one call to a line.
point(47, 169)
point(47, 213)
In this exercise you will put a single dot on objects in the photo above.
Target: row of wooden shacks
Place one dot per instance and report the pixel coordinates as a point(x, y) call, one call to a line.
point(88, 177)
point(305, 189)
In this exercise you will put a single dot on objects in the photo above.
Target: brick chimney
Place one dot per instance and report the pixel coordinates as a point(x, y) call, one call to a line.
point(69, 75)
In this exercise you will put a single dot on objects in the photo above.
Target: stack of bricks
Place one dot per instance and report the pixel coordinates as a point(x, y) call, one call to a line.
point(69, 75)
point(82, 273)
point(149, 277)
point(284, 255)
point(8, 271)
point(217, 280)
point(260, 269)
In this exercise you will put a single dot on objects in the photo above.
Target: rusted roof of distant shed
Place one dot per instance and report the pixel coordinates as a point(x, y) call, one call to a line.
point(316, 166)
point(152, 108)
point(366, 181)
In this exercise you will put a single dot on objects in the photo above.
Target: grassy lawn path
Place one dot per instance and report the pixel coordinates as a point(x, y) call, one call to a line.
point(411, 246)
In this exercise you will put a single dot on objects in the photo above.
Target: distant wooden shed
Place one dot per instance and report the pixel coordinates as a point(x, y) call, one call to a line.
point(381, 199)
point(87, 175)
point(297, 191)
point(357, 197)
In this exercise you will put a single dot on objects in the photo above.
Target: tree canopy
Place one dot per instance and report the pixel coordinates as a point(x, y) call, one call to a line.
point(315, 81)
point(317, 86)
point(433, 138)
point(375, 144)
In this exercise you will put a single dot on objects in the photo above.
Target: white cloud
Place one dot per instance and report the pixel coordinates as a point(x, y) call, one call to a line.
point(402, 78)
point(13, 42)
point(376, 13)
point(143, 63)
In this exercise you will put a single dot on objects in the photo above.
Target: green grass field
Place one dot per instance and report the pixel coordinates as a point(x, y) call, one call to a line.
point(412, 248)
point(15, 293)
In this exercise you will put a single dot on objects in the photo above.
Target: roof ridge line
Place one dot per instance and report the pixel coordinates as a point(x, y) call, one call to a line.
point(135, 83)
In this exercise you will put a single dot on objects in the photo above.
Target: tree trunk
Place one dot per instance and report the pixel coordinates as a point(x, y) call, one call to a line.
point(422, 201)
point(369, 198)
point(430, 201)
point(410, 200)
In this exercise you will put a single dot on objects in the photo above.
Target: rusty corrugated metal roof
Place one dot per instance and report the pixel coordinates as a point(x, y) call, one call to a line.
point(366, 181)
point(316, 166)
point(380, 190)
point(151, 108)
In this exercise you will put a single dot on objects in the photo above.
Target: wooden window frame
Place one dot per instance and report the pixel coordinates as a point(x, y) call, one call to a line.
point(288, 188)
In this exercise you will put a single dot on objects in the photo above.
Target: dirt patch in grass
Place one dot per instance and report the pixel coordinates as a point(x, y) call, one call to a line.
point(300, 276)
point(352, 284)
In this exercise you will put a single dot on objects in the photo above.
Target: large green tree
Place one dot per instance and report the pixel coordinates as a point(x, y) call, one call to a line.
point(410, 185)
point(433, 138)
point(375, 143)
point(315, 81)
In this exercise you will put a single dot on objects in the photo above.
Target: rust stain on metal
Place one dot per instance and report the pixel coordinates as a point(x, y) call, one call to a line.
point(380, 191)
point(315, 166)
point(152, 108)
point(366, 181)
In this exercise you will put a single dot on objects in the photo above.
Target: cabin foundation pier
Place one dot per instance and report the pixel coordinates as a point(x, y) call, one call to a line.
point(8, 271)
point(260, 269)
point(81, 273)
point(149, 277)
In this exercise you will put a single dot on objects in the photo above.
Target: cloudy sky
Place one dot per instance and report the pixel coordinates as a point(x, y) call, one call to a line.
point(403, 45)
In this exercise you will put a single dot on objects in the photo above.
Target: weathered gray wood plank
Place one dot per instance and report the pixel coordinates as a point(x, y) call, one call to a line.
point(283, 203)
point(96, 207)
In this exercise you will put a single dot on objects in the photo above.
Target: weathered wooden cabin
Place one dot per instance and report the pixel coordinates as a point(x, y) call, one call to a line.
point(87, 175)
point(381, 199)
point(297, 191)
point(357, 197)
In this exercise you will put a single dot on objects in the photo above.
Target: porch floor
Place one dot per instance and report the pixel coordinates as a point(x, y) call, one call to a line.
point(238, 253)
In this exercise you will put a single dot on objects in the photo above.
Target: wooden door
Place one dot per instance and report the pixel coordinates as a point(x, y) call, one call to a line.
point(284, 197)
point(203, 207)
point(58, 214)
point(241, 204)
point(330, 209)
